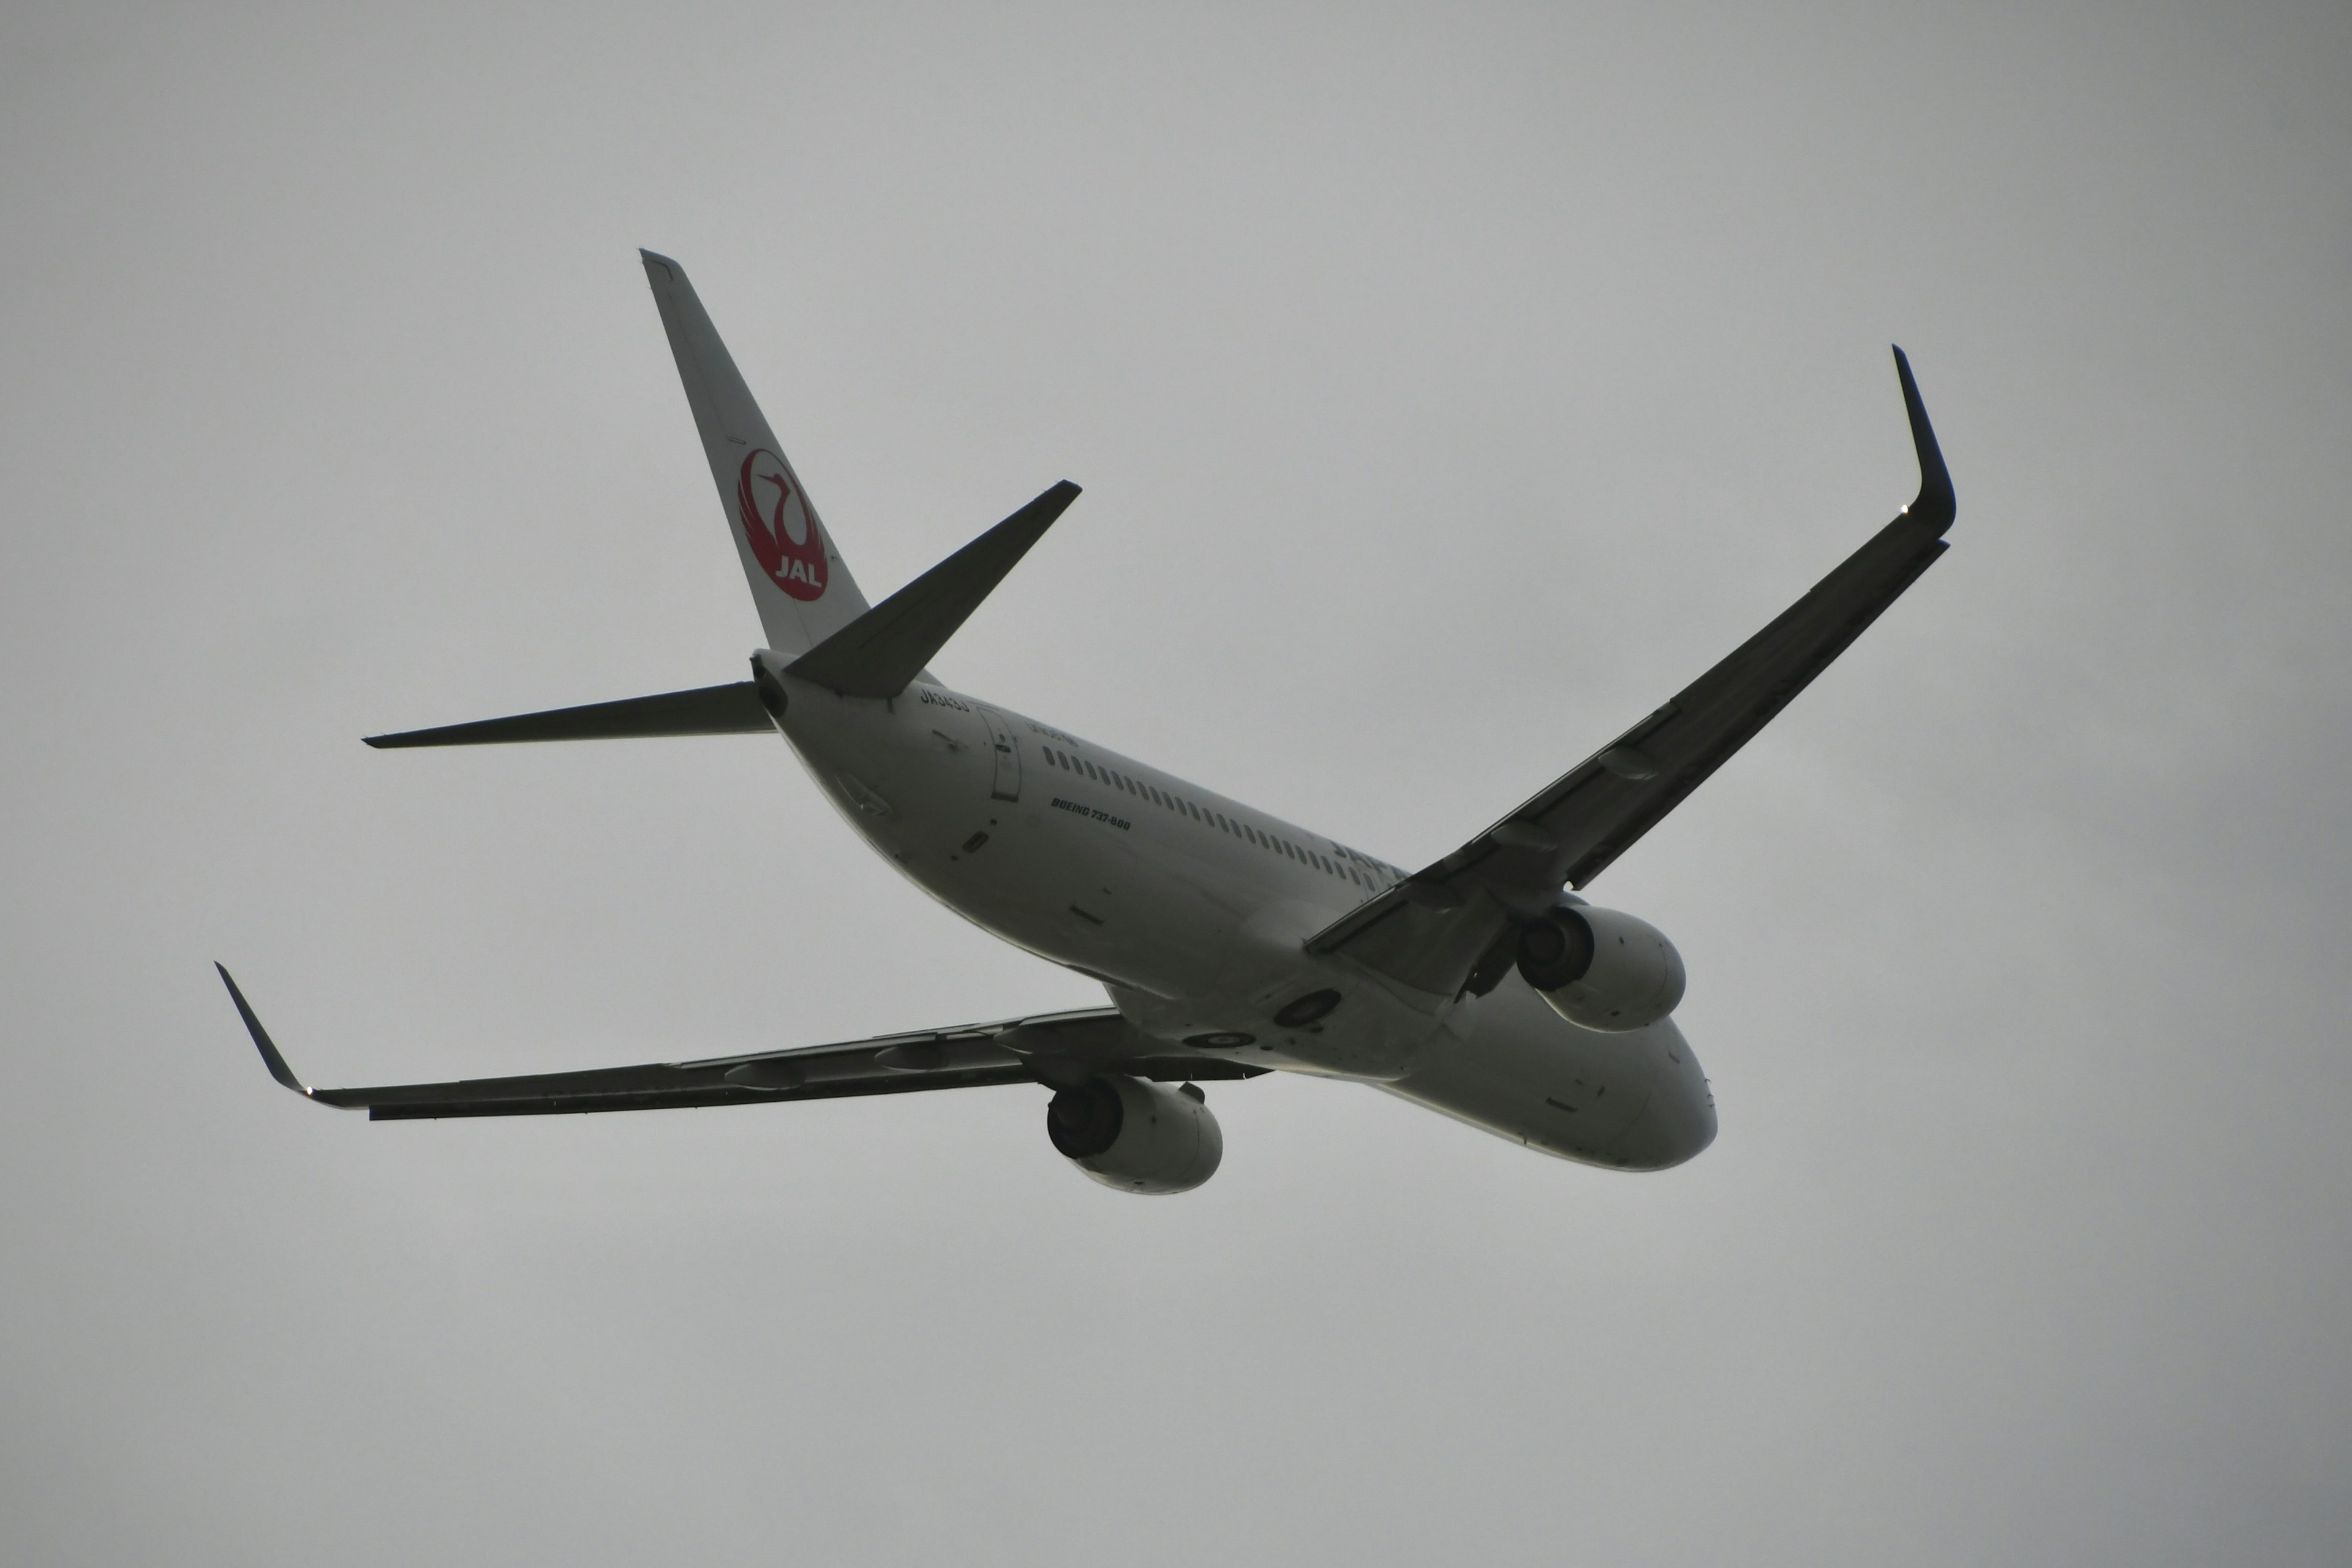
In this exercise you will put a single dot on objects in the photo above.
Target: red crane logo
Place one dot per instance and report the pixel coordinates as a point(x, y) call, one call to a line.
point(770, 504)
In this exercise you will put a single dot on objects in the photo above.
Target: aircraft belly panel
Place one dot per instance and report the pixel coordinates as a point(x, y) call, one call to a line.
point(1631, 1100)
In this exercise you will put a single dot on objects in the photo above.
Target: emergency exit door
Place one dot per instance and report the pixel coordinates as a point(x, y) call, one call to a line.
point(1007, 783)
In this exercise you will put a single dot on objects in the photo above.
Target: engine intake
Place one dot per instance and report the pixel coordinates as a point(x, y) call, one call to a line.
point(1137, 1137)
point(1601, 969)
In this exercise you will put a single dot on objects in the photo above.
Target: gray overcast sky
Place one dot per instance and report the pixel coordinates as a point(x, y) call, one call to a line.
point(1450, 385)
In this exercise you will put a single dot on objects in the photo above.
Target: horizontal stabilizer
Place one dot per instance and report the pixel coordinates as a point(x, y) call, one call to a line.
point(707, 710)
point(880, 652)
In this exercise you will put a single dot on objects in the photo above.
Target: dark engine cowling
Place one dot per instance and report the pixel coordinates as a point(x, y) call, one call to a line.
point(1137, 1137)
point(1601, 969)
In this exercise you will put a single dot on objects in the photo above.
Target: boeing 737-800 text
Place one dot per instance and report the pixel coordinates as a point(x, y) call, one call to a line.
point(1232, 944)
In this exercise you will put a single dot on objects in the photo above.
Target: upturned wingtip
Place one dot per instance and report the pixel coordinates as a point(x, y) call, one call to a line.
point(1935, 503)
point(270, 1058)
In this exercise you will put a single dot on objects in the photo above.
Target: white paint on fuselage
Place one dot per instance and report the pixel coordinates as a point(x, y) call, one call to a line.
point(1191, 909)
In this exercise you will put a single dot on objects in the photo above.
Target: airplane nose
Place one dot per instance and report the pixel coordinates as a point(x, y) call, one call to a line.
point(1679, 1121)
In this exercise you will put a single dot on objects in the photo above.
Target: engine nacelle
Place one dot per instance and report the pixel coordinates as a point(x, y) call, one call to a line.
point(1601, 969)
point(1137, 1137)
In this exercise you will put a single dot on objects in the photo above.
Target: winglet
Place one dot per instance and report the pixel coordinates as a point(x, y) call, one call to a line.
point(269, 1056)
point(880, 652)
point(1935, 503)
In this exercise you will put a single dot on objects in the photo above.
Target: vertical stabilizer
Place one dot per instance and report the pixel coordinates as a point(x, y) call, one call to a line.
point(803, 591)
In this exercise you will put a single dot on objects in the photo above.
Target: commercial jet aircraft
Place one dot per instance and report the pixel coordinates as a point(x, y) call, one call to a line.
point(1232, 944)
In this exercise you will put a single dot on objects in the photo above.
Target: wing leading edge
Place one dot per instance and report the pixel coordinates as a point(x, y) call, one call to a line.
point(1053, 1048)
point(1432, 930)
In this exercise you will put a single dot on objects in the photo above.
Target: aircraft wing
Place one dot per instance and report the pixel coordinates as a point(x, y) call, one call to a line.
point(1449, 927)
point(1053, 1048)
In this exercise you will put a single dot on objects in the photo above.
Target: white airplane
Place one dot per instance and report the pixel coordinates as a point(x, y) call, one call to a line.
point(1231, 942)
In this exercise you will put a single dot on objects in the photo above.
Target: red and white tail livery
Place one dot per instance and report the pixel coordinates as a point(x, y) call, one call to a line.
point(803, 591)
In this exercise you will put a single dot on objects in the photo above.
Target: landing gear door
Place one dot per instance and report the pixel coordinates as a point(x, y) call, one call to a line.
point(1007, 778)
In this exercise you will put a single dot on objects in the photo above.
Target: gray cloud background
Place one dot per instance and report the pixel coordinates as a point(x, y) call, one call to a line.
point(1449, 387)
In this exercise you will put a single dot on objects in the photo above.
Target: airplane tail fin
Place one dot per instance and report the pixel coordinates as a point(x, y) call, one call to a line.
point(802, 589)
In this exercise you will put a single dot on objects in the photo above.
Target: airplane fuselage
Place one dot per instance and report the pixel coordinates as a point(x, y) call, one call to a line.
point(1191, 909)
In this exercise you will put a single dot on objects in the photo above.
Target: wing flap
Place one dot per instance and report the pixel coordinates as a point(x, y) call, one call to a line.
point(690, 1099)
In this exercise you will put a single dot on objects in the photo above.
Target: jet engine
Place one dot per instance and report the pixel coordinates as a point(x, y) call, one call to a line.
point(1137, 1137)
point(1601, 969)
